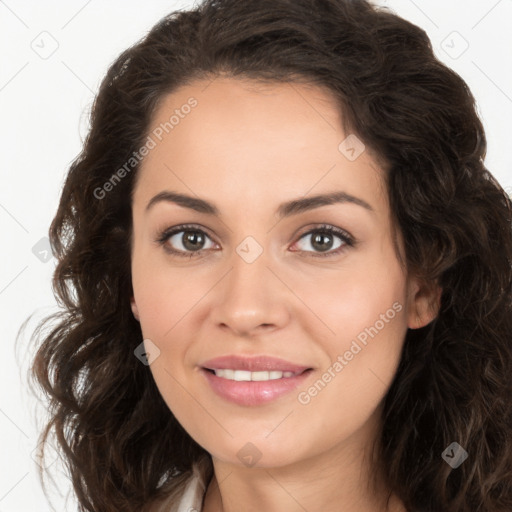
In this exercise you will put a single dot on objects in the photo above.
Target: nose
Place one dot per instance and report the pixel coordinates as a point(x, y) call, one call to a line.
point(251, 299)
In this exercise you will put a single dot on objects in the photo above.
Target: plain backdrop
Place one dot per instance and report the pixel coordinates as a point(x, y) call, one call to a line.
point(53, 56)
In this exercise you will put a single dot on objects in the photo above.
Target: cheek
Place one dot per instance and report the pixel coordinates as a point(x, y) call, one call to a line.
point(368, 292)
point(366, 310)
point(164, 299)
point(163, 295)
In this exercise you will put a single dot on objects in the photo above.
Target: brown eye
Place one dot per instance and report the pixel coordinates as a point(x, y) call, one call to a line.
point(192, 240)
point(185, 241)
point(325, 239)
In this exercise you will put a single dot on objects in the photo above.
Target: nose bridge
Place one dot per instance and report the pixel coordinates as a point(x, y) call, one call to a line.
point(251, 295)
point(249, 279)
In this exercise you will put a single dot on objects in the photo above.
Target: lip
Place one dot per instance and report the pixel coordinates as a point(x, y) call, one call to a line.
point(253, 393)
point(253, 364)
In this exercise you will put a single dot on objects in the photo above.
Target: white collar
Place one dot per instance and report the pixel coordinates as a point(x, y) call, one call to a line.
point(195, 489)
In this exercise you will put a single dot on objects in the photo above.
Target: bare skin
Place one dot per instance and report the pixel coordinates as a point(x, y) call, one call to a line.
point(247, 149)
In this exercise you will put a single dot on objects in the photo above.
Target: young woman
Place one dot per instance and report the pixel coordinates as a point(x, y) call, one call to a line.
point(286, 274)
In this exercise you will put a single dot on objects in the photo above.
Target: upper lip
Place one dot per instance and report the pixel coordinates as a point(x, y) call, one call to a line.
point(253, 364)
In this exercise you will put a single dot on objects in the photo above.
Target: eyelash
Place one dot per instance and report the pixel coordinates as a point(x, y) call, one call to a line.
point(347, 239)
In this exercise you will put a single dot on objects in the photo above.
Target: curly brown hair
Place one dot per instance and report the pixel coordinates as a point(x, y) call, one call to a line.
point(123, 447)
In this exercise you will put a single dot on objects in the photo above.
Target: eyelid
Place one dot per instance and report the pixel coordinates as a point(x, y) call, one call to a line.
point(314, 228)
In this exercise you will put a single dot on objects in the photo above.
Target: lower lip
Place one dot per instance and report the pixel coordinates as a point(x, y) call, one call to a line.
point(253, 392)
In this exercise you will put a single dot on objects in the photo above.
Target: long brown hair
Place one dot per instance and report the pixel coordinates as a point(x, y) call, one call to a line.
point(123, 447)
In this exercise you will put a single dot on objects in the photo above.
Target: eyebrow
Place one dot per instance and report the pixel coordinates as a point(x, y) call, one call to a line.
point(287, 209)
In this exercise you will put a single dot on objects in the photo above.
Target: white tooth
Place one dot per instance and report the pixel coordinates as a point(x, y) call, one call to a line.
point(226, 374)
point(259, 375)
point(229, 374)
point(242, 375)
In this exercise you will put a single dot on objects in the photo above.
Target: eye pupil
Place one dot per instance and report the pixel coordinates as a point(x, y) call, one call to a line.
point(320, 239)
point(192, 240)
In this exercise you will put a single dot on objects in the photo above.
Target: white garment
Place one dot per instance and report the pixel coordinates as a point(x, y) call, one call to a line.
point(195, 489)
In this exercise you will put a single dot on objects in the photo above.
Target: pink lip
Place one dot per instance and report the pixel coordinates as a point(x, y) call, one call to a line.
point(251, 393)
point(253, 364)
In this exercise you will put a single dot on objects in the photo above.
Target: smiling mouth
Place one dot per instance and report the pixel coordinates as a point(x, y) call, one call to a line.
point(255, 386)
point(247, 376)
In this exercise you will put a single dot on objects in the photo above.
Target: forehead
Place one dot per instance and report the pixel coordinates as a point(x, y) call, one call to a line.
point(230, 134)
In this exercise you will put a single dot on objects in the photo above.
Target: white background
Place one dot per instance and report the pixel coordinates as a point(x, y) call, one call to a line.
point(44, 106)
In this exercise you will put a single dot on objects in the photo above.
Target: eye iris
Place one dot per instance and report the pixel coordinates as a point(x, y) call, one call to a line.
point(319, 239)
point(192, 240)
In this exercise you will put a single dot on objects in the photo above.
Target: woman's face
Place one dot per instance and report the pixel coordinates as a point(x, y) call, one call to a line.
point(255, 277)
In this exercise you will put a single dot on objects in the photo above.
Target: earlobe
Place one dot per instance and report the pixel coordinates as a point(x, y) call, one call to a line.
point(135, 310)
point(424, 304)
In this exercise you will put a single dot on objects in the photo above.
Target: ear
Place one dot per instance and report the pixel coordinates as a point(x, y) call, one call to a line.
point(423, 303)
point(135, 310)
